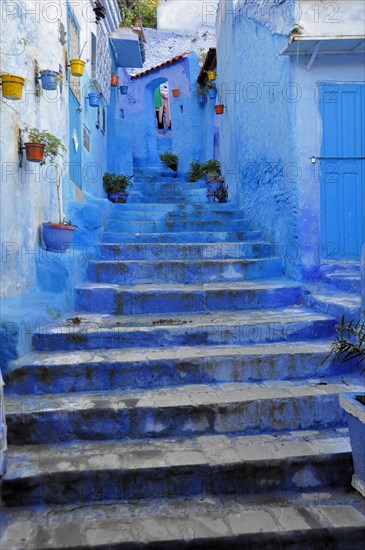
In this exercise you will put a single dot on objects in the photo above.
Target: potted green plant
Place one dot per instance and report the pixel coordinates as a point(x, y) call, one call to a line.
point(200, 94)
point(41, 145)
point(350, 346)
point(211, 89)
point(170, 160)
point(195, 171)
point(116, 186)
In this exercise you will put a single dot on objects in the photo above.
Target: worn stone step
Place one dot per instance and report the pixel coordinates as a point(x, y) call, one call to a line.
point(324, 299)
point(331, 520)
point(92, 331)
point(161, 186)
point(189, 410)
point(185, 206)
point(170, 224)
point(182, 271)
point(182, 237)
point(182, 251)
point(195, 195)
point(175, 213)
point(346, 282)
point(176, 298)
point(131, 368)
point(197, 466)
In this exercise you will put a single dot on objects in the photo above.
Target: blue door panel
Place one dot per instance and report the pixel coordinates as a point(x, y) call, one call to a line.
point(342, 179)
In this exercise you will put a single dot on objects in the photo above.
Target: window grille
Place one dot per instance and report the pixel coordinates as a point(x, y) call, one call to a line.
point(103, 64)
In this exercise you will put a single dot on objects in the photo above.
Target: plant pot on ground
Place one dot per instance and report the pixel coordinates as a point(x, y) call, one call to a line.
point(350, 346)
point(116, 186)
point(170, 160)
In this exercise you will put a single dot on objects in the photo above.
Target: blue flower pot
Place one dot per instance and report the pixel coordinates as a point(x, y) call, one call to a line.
point(118, 197)
point(213, 186)
point(58, 238)
point(201, 99)
point(123, 90)
point(94, 99)
point(355, 415)
point(49, 80)
point(212, 94)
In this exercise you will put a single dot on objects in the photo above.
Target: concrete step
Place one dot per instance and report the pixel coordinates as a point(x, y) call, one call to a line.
point(176, 213)
point(170, 224)
point(182, 237)
point(183, 251)
point(324, 299)
point(190, 410)
point(185, 206)
point(195, 195)
point(113, 369)
point(182, 271)
point(331, 520)
point(349, 282)
point(173, 185)
point(176, 298)
point(189, 467)
point(93, 331)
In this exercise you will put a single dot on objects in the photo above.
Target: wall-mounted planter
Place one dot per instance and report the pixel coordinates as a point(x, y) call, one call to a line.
point(94, 99)
point(49, 80)
point(57, 237)
point(201, 99)
point(12, 86)
point(34, 151)
point(114, 80)
point(211, 75)
point(77, 67)
point(123, 90)
point(219, 109)
point(119, 198)
point(212, 94)
point(176, 92)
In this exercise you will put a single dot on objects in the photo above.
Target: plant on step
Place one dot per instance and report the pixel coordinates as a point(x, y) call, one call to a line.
point(195, 171)
point(212, 169)
point(170, 160)
point(350, 342)
point(116, 186)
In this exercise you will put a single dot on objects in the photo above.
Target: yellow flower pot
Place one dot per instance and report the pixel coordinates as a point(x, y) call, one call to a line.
point(77, 67)
point(211, 75)
point(12, 86)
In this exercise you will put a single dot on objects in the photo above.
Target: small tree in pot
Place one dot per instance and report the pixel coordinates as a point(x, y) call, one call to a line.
point(170, 160)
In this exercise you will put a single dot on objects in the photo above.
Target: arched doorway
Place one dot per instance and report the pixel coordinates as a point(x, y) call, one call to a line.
point(163, 122)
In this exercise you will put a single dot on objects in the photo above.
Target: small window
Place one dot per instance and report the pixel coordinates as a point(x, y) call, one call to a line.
point(86, 138)
point(97, 124)
point(103, 128)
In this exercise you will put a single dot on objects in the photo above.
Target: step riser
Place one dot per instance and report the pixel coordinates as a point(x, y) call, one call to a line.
point(91, 338)
point(112, 301)
point(195, 273)
point(177, 214)
point(118, 423)
point(181, 481)
point(162, 226)
point(148, 374)
point(217, 251)
point(182, 237)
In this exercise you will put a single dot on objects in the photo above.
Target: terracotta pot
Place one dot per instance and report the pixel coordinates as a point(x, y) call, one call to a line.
point(176, 92)
point(219, 109)
point(34, 151)
point(114, 80)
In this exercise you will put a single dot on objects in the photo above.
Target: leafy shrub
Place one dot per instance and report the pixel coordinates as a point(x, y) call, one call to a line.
point(212, 168)
point(129, 13)
point(195, 171)
point(116, 184)
point(170, 160)
point(349, 343)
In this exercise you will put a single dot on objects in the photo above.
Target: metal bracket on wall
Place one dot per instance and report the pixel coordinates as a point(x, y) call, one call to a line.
point(37, 83)
point(60, 76)
point(20, 148)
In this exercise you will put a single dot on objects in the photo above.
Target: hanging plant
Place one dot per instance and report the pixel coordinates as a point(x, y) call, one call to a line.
point(219, 109)
point(49, 79)
point(77, 66)
point(175, 92)
point(114, 80)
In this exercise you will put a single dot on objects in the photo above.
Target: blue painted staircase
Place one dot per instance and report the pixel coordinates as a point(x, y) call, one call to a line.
point(186, 403)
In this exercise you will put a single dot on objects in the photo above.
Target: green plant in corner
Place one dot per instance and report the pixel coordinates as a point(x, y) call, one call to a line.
point(212, 169)
point(195, 171)
point(170, 160)
point(350, 342)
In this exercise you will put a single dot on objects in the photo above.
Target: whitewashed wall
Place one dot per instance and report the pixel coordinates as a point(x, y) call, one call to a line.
point(324, 18)
point(186, 15)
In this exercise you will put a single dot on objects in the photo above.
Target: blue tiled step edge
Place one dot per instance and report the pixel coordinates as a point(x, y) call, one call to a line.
point(90, 331)
point(190, 410)
point(188, 467)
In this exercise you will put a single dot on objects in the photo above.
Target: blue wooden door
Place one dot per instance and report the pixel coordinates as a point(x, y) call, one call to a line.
point(74, 102)
point(342, 170)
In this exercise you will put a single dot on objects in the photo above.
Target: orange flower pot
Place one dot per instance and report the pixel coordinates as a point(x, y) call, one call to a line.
point(176, 92)
point(219, 109)
point(34, 152)
point(114, 80)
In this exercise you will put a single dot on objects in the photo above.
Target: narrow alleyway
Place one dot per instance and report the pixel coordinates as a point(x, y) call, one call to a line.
point(186, 403)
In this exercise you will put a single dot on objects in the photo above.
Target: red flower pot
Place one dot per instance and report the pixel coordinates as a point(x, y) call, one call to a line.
point(176, 92)
point(34, 152)
point(114, 80)
point(219, 109)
